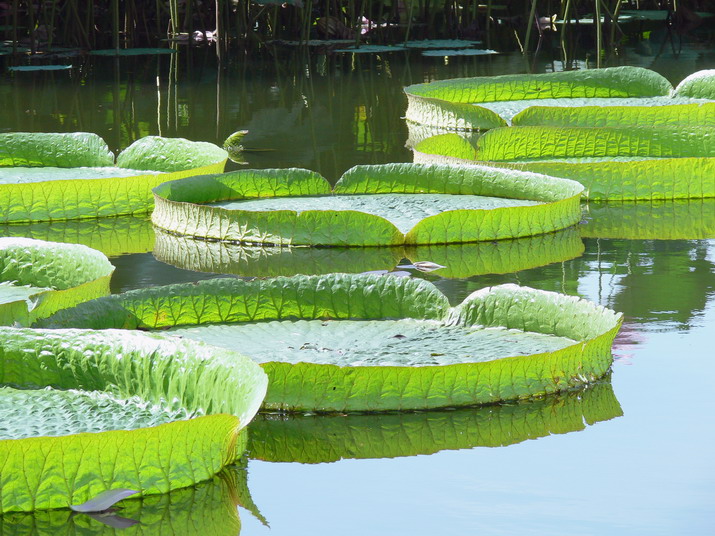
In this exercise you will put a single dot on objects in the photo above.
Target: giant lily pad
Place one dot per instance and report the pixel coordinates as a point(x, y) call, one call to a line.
point(390, 204)
point(330, 438)
point(38, 278)
point(478, 103)
point(120, 235)
point(612, 163)
point(91, 411)
point(457, 260)
point(368, 343)
point(53, 176)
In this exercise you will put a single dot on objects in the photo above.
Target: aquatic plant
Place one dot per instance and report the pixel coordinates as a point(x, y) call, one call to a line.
point(38, 278)
point(490, 101)
point(367, 343)
point(56, 176)
point(624, 163)
point(383, 205)
point(90, 411)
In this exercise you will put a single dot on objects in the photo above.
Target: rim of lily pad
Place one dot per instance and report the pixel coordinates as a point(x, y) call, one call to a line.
point(455, 103)
point(181, 206)
point(63, 199)
point(222, 389)
point(457, 260)
point(618, 164)
point(329, 388)
point(53, 276)
point(679, 219)
point(120, 235)
point(331, 438)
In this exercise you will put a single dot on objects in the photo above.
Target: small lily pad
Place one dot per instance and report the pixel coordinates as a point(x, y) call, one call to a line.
point(24, 68)
point(460, 52)
point(132, 51)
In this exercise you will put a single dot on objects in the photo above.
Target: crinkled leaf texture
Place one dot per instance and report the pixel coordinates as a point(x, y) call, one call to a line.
point(54, 472)
point(47, 200)
point(330, 438)
point(325, 388)
point(459, 260)
point(67, 274)
point(181, 206)
point(208, 508)
point(699, 85)
point(612, 163)
point(454, 103)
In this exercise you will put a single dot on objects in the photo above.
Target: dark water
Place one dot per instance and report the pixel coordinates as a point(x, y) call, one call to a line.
point(632, 455)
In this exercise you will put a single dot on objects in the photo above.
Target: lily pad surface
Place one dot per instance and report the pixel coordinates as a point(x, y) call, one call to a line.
point(458, 260)
point(109, 419)
point(464, 103)
point(383, 205)
point(56, 176)
point(368, 343)
point(38, 278)
point(331, 438)
point(635, 163)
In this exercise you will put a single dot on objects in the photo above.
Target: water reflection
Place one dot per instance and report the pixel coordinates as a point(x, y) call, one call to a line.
point(208, 508)
point(121, 235)
point(459, 260)
point(662, 220)
point(329, 438)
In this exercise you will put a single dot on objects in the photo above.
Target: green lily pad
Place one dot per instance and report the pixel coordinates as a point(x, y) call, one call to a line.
point(120, 235)
point(459, 52)
point(441, 43)
point(25, 68)
point(426, 204)
point(373, 49)
point(463, 103)
point(634, 163)
point(698, 85)
point(108, 386)
point(38, 278)
point(54, 176)
point(319, 315)
point(132, 51)
point(331, 438)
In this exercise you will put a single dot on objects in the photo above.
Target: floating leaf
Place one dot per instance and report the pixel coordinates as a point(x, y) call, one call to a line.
point(42, 197)
point(38, 278)
point(335, 341)
point(106, 369)
point(373, 205)
point(459, 52)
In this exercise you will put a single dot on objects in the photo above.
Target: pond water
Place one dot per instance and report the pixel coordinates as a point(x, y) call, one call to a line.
point(632, 455)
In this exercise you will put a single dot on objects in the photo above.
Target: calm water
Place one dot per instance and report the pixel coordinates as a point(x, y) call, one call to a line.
point(633, 455)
